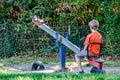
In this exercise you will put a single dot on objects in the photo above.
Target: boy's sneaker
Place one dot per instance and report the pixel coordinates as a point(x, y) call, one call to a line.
point(81, 72)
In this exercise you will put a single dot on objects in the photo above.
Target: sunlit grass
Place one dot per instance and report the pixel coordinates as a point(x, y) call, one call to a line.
point(11, 75)
point(58, 76)
point(5, 71)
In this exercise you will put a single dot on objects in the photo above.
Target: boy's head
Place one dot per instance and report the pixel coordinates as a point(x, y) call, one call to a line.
point(93, 24)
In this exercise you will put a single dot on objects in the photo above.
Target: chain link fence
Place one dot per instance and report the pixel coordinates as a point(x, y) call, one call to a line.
point(30, 41)
point(34, 41)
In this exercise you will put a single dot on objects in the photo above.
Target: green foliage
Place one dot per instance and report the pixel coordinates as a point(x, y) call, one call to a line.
point(75, 13)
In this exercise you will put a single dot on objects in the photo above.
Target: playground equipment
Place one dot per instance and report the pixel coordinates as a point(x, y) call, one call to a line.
point(37, 66)
point(96, 61)
point(97, 65)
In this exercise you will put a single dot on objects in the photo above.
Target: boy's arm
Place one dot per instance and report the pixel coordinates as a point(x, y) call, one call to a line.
point(85, 47)
point(86, 42)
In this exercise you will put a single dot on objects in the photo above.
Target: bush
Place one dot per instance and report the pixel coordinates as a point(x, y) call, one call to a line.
point(77, 14)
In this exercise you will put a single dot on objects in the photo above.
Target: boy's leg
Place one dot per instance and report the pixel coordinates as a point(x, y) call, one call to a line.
point(78, 58)
point(78, 61)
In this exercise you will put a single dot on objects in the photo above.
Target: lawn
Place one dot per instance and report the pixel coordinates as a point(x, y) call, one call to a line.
point(8, 75)
point(20, 60)
point(11, 75)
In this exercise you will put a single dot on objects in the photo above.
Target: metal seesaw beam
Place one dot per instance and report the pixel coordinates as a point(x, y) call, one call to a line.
point(50, 31)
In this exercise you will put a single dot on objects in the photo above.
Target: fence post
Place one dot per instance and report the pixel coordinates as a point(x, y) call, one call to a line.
point(57, 43)
point(67, 35)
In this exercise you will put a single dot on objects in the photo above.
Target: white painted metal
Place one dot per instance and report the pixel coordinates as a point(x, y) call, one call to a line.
point(50, 31)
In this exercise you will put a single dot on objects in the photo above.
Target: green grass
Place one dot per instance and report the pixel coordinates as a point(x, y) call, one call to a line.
point(11, 75)
point(17, 60)
point(24, 60)
point(55, 76)
point(111, 63)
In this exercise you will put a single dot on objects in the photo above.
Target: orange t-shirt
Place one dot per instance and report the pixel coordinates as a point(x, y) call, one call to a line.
point(94, 37)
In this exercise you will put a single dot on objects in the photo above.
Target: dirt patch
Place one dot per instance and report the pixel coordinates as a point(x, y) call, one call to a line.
point(50, 68)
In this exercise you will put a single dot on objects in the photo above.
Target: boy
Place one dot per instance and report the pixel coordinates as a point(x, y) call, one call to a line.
point(93, 49)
